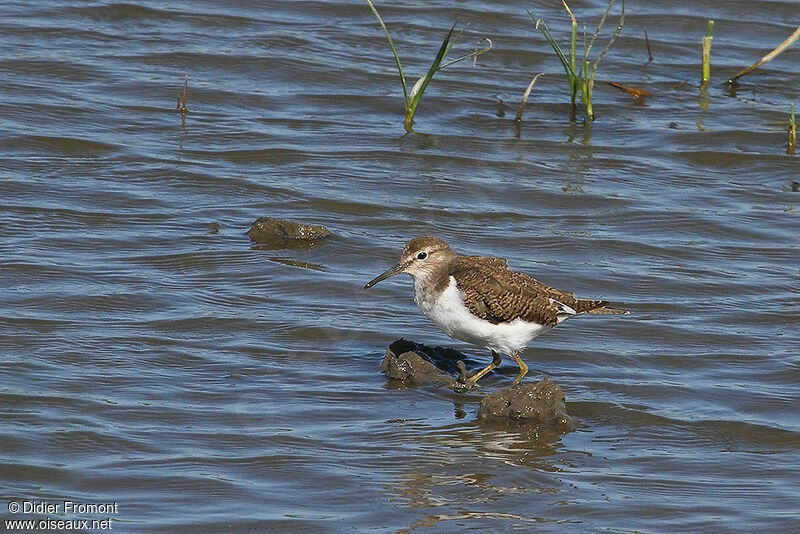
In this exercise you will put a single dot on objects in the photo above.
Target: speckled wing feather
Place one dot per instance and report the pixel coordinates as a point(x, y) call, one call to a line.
point(497, 294)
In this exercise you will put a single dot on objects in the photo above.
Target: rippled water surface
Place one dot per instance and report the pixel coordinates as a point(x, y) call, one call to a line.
point(157, 360)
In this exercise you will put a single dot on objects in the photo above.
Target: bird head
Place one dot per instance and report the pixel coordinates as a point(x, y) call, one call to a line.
point(421, 257)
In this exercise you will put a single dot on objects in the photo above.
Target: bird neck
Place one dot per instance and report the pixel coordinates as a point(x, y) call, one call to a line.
point(429, 284)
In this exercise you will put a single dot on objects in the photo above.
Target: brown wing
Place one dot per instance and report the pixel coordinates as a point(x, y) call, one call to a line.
point(494, 292)
point(499, 295)
point(564, 297)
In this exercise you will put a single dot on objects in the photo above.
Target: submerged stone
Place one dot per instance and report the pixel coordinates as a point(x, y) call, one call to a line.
point(277, 233)
point(539, 403)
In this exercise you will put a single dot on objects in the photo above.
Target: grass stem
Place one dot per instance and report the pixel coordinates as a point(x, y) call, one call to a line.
point(394, 50)
point(792, 132)
point(769, 57)
point(620, 24)
point(581, 79)
point(182, 99)
point(525, 96)
point(572, 54)
point(706, 76)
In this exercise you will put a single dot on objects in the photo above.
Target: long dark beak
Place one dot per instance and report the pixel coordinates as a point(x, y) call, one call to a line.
point(397, 269)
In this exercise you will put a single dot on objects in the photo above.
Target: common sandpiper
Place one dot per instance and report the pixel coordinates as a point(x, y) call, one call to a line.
point(481, 301)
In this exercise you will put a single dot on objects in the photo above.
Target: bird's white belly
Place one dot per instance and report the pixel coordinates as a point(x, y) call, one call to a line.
point(451, 315)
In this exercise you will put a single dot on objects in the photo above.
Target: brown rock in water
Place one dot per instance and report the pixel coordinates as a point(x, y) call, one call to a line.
point(541, 403)
point(533, 406)
point(412, 367)
point(276, 233)
point(404, 361)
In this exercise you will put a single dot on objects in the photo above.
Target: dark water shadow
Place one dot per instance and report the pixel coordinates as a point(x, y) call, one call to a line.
point(413, 141)
point(297, 263)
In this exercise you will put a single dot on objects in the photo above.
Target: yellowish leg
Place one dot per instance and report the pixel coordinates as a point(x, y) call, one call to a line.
point(523, 369)
point(471, 381)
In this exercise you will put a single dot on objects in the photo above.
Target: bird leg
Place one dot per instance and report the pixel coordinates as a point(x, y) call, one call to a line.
point(472, 380)
point(462, 372)
point(523, 369)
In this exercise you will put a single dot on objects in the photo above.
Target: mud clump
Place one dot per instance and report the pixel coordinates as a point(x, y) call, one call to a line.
point(276, 233)
point(414, 363)
point(541, 403)
point(411, 367)
point(535, 406)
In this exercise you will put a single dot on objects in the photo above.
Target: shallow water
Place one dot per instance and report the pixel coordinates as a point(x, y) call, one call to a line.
point(207, 386)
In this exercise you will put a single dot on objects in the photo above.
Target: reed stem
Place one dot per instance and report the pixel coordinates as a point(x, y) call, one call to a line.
point(707, 55)
point(582, 78)
point(573, 51)
point(525, 96)
point(769, 57)
point(182, 98)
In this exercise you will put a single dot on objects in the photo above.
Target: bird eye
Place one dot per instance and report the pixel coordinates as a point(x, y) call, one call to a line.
point(422, 255)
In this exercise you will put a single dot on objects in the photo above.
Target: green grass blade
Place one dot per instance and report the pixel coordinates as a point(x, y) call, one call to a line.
point(586, 87)
point(573, 51)
point(611, 41)
point(573, 59)
point(422, 83)
point(394, 51)
point(471, 55)
point(589, 46)
point(542, 27)
point(453, 41)
point(706, 56)
point(589, 74)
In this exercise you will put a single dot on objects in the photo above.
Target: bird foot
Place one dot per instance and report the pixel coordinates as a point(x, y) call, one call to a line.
point(464, 381)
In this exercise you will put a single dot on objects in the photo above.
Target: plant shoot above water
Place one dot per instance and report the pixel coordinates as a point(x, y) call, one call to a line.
point(411, 98)
point(581, 78)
